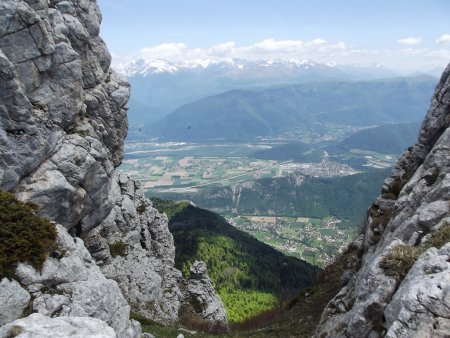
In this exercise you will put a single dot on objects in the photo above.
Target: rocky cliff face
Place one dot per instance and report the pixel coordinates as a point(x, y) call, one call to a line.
point(63, 124)
point(400, 285)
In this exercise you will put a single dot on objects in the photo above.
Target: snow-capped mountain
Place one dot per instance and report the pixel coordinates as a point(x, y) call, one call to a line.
point(144, 67)
point(232, 66)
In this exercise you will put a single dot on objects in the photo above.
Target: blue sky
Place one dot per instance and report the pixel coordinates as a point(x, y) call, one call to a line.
point(397, 33)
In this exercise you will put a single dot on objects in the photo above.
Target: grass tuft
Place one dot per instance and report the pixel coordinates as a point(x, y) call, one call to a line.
point(399, 261)
point(402, 257)
point(440, 237)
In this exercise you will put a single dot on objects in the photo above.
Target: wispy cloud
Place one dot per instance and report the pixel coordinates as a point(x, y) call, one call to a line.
point(445, 38)
point(410, 41)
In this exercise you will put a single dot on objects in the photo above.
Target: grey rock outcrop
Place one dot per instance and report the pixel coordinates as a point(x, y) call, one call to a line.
point(134, 247)
point(414, 205)
point(62, 129)
point(420, 307)
point(38, 325)
point(202, 296)
point(71, 284)
point(63, 112)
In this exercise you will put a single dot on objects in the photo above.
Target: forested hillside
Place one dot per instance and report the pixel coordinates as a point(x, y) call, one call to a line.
point(249, 275)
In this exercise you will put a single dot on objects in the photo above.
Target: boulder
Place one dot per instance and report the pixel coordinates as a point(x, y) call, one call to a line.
point(13, 300)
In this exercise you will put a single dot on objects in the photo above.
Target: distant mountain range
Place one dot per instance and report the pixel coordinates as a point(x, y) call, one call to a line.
point(245, 114)
point(160, 87)
point(227, 67)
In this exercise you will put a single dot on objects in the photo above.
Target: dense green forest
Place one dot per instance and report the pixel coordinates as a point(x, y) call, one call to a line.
point(249, 275)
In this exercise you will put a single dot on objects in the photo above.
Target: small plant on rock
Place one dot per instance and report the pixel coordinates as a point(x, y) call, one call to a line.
point(440, 237)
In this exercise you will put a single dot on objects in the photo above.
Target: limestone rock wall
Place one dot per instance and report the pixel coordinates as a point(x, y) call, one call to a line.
point(134, 247)
point(62, 129)
point(38, 325)
point(62, 112)
point(414, 205)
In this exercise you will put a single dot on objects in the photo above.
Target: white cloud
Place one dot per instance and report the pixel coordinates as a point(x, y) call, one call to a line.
point(226, 49)
point(318, 41)
point(410, 41)
point(445, 38)
point(166, 51)
point(269, 46)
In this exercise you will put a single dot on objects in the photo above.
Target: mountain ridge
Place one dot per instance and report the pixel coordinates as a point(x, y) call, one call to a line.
point(245, 114)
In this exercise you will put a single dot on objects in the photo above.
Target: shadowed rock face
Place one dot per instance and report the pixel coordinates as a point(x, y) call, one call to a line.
point(413, 206)
point(62, 129)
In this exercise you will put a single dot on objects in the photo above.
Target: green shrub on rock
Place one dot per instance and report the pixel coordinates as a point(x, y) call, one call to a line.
point(24, 236)
point(118, 249)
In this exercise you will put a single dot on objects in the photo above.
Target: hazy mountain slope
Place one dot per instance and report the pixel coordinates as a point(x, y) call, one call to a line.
point(160, 87)
point(241, 115)
point(386, 139)
point(346, 197)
